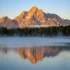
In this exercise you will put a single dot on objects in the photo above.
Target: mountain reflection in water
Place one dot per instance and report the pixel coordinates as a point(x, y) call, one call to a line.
point(36, 53)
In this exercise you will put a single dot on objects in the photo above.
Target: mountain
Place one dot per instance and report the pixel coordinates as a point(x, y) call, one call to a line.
point(34, 18)
point(6, 22)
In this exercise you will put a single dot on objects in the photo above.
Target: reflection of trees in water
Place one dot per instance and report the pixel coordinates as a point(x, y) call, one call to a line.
point(4, 50)
point(35, 54)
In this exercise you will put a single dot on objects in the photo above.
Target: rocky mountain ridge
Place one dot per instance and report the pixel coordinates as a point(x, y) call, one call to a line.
point(33, 18)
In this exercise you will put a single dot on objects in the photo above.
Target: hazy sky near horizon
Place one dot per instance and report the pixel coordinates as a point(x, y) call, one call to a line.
point(13, 8)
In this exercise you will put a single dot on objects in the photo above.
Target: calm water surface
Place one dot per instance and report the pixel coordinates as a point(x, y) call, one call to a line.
point(34, 53)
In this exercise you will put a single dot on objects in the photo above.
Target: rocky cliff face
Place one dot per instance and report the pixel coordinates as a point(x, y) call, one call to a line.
point(34, 17)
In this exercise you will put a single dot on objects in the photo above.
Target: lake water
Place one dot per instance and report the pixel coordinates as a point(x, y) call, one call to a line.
point(34, 53)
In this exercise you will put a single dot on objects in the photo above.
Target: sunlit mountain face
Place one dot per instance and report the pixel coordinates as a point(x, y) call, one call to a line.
point(34, 17)
point(36, 53)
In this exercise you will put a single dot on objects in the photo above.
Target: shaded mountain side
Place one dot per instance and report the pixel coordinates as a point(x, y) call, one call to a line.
point(34, 17)
point(8, 23)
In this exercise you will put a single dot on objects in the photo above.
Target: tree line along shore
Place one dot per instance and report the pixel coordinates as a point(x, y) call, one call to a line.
point(42, 31)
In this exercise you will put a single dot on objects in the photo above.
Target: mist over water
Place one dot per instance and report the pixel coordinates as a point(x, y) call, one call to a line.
point(33, 41)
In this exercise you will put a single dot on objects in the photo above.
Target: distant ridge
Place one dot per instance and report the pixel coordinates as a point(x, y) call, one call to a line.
point(33, 18)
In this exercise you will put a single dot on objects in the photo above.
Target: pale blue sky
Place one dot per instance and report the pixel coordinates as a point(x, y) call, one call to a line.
point(13, 8)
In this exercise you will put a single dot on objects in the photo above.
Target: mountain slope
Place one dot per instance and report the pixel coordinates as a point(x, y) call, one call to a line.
point(33, 18)
point(6, 22)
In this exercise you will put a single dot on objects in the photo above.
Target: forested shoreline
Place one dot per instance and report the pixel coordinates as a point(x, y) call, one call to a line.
point(42, 31)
